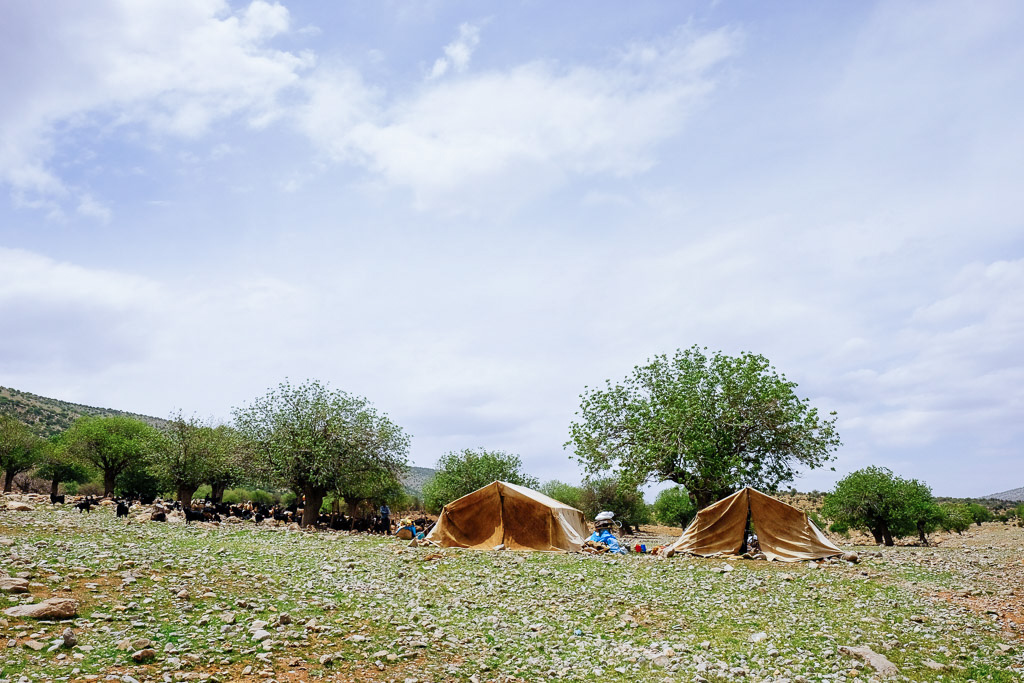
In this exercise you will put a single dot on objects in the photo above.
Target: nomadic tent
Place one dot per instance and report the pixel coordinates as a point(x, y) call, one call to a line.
point(518, 517)
point(784, 532)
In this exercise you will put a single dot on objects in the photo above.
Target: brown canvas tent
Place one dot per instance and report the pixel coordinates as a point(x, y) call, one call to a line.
point(518, 517)
point(784, 532)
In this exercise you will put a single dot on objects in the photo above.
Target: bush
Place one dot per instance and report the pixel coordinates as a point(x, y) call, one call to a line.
point(673, 507)
point(956, 517)
point(840, 528)
point(979, 513)
point(243, 495)
point(91, 488)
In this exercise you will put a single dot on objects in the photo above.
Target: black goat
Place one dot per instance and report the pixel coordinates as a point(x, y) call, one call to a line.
point(122, 509)
point(159, 517)
point(54, 499)
point(85, 505)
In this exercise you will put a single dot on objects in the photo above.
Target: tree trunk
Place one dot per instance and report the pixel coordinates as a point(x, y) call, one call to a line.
point(922, 535)
point(217, 493)
point(887, 535)
point(185, 496)
point(311, 508)
point(54, 485)
point(109, 479)
point(9, 480)
point(877, 533)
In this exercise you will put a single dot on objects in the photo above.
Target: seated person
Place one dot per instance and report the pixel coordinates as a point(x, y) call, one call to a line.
point(603, 536)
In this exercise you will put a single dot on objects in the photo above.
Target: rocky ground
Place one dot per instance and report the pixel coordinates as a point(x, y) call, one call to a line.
point(166, 602)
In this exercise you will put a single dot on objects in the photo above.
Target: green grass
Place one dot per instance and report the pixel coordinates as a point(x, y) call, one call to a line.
point(451, 614)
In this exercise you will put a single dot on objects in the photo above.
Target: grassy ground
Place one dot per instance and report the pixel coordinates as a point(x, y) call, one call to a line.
point(340, 607)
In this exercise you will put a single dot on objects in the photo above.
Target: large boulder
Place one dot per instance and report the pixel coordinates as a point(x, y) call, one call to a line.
point(9, 584)
point(52, 608)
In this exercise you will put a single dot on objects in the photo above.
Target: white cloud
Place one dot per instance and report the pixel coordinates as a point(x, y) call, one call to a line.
point(171, 66)
point(458, 52)
point(496, 138)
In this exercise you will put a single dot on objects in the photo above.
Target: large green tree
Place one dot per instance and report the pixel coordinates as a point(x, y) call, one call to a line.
point(112, 445)
point(711, 423)
point(316, 440)
point(465, 471)
point(20, 449)
point(190, 453)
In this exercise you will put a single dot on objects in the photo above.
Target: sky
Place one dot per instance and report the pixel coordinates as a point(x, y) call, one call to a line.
point(467, 212)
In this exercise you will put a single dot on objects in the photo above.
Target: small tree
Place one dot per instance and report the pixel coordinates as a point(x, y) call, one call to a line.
point(920, 511)
point(615, 495)
point(957, 517)
point(979, 513)
point(315, 440)
point(462, 472)
point(20, 449)
point(709, 423)
point(186, 455)
point(877, 500)
point(111, 444)
point(673, 507)
point(58, 465)
point(563, 493)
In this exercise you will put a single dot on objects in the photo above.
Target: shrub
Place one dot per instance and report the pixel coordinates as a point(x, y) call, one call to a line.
point(956, 517)
point(673, 507)
point(840, 528)
point(979, 513)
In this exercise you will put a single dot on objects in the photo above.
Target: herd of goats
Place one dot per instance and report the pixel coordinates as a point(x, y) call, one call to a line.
point(210, 511)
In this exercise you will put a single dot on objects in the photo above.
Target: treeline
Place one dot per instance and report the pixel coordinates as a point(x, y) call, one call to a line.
point(888, 507)
point(325, 446)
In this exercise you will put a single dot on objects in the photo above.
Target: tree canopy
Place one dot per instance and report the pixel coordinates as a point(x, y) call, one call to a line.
point(316, 440)
point(465, 471)
point(884, 504)
point(712, 423)
point(191, 453)
point(111, 444)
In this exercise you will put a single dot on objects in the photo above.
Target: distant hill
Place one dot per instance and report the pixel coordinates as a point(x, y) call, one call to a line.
point(1013, 494)
point(48, 416)
point(415, 478)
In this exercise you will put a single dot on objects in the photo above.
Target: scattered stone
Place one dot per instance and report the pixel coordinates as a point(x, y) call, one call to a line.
point(145, 655)
point(34, 645)
point(261, 635)
point(183, 594)
point(51, 608)
point(851, 557)
point(758, 637)
point(69, 638)
point(934, 666)
point(878, 662)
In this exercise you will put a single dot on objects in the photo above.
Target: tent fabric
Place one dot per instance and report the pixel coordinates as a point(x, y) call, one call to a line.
point(518, 517)
point(784, 532)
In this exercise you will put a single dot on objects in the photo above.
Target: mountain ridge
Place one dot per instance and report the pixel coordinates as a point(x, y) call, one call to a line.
point(48, 416)
point(1016, 495)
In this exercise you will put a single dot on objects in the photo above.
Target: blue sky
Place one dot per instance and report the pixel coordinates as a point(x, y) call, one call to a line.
point(469, 211)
